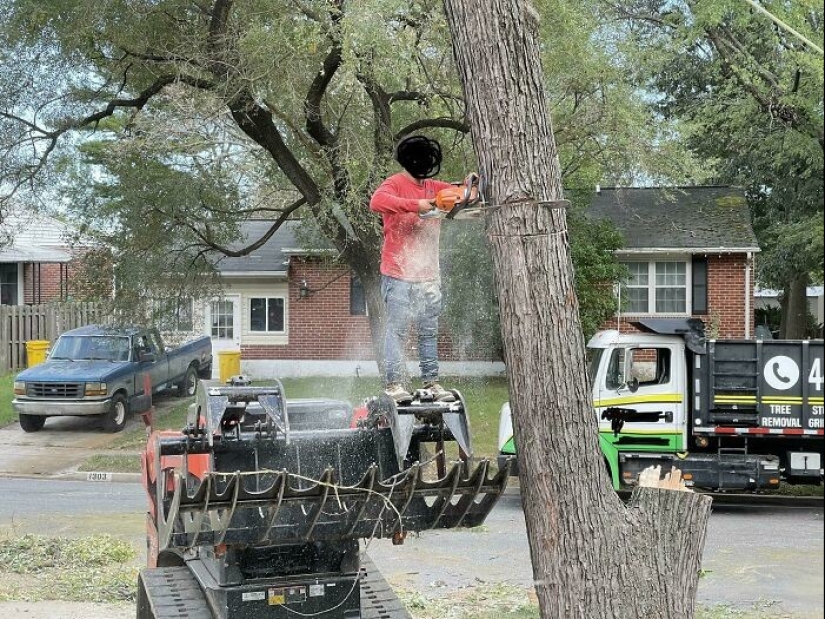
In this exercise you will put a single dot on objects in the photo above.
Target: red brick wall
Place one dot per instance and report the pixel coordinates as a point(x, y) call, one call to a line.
point(321, 326)
point(82, 279)
point(42, 283)
point(726, 299)
point(726, 296)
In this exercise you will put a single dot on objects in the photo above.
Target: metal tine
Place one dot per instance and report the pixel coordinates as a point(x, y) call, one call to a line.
point(325, 482)
point(281, 482)
point(479, 476)
point(166, 518)
point(445, 499)
point(236, 485)
point(367, 483)
point(414, 473)
point(198, 515)
point(498, 485)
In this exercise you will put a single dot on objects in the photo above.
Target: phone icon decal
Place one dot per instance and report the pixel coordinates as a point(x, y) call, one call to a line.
point(781, 372)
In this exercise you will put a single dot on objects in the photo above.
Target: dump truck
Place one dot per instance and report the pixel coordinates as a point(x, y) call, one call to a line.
point(258, 507)
point(730, 414)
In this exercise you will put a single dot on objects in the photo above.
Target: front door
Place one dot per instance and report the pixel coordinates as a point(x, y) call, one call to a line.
point(223, 325)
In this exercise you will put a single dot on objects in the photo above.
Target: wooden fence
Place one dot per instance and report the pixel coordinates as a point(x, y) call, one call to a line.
point(22, 323)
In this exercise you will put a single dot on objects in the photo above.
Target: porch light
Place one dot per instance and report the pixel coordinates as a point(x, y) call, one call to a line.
point(304, 290)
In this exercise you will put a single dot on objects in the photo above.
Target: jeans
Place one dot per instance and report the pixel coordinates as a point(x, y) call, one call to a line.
point(408, 302)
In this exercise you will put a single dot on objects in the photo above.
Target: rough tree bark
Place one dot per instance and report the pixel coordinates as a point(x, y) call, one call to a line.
point(593, 557)
point(794, 322)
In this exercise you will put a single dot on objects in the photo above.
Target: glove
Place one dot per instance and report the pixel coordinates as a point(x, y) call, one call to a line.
point(447, 198)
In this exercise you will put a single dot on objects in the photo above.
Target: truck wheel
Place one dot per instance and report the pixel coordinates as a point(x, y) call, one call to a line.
point(115, 419)
point(32, 423)
point(189, 384)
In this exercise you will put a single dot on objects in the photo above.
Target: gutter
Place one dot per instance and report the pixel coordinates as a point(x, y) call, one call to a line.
point(688, 250)
point(250, 274)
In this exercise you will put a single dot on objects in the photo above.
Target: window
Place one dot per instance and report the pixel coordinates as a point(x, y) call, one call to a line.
point(8, 283)
point(222, 319)
point(699, 295)
point(357, 298)
point(656, 288)
point(648, 366)
point(636, 290)
point(266, 315)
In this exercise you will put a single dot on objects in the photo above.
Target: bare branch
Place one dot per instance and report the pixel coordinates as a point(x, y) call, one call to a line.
point(235, 253)
point(425, 123)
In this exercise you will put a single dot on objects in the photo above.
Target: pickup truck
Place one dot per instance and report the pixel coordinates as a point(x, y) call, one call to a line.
point(102, 371)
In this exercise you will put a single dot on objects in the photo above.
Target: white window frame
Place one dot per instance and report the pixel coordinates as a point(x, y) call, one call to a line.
point(651, 261)
point(267, 331)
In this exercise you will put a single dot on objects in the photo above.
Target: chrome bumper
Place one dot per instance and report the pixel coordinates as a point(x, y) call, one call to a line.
point(55, 408)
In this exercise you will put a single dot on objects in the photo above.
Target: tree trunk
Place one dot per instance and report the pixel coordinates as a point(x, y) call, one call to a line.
point(593, 558)
point(793, 324)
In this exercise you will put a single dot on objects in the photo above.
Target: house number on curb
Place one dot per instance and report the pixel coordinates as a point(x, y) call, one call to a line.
point(98, 477)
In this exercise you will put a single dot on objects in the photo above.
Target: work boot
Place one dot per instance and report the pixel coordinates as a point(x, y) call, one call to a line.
point(439, 393)
point(397, 392)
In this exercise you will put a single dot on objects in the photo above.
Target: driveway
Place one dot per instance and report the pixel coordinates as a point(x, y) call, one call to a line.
point(62, 444)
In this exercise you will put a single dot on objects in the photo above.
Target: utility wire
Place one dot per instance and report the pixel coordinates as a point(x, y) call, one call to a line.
point(785, 26)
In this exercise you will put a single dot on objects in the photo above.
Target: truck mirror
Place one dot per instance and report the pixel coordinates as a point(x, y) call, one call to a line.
point(626, 378)
point(619, 369)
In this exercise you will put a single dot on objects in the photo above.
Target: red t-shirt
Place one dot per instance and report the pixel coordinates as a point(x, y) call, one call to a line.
point(410, 250)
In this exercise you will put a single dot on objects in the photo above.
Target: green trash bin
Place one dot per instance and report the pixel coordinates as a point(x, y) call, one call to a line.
point(229, 364)
point(36, 352)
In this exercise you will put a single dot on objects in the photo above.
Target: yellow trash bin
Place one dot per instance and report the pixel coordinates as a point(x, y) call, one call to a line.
point(229, 364)
point(36, 352)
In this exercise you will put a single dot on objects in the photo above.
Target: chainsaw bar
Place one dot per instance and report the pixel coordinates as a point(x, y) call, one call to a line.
point(476, 208)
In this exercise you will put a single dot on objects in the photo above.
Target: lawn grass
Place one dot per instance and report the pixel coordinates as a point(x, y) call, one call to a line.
point(498, 600)
point(484, 397)
point(7, 415)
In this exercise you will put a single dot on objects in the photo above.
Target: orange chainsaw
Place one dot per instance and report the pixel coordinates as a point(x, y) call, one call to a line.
point(465, 201)
point(461, 201)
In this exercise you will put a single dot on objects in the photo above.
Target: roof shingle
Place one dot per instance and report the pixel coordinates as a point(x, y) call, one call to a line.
point(678, 218)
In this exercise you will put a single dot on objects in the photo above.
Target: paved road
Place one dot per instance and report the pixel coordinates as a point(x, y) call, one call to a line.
point(752, 554)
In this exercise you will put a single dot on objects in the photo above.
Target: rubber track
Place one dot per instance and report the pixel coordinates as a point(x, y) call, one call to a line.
point(173, 593)
point(378, 600)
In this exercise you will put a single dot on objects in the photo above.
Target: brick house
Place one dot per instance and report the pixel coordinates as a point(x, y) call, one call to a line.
point(36, 262)
point(690, 252)
point(291, 311)
point(287, 309)
point(294, 312)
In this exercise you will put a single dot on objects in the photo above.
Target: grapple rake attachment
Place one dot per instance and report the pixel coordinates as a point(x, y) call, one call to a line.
point(258, 505)
point(268, 485)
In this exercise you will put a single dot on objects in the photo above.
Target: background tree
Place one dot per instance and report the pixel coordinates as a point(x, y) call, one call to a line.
point(143, 118)
point(592, 557)
point(749, 97)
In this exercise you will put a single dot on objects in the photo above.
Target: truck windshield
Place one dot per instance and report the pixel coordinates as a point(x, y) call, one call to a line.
point(85, 347)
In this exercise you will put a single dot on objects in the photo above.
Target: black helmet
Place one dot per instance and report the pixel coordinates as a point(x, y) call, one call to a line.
point(419, 155)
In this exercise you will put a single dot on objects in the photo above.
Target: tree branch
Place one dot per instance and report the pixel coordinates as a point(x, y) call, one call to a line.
point(425, 123)
point(235, 253)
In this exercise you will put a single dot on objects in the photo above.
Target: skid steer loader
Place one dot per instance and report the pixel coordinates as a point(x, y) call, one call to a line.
point(257, 508)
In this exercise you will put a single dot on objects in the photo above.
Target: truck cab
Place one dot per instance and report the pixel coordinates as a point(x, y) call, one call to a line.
point(638, 386)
